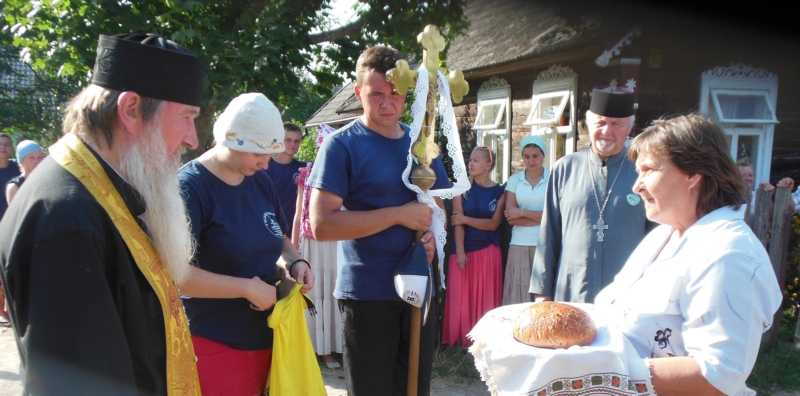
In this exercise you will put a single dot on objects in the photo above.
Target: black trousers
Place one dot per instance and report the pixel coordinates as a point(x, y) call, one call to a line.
point(375, 345)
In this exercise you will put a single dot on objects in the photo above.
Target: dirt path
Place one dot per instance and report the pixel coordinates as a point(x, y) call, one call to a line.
point(11, 385)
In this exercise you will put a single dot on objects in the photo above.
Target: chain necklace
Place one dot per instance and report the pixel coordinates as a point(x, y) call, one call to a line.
point(601, 225)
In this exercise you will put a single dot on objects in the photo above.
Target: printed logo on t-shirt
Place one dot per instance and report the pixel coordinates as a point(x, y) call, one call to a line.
point(294, 178)
point(493, 205)
point(272, 224)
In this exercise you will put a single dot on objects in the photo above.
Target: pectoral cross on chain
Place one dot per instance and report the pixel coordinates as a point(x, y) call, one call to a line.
point(600, 226)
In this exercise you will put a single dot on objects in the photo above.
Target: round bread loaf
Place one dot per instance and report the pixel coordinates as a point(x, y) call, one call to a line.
point(551, 324)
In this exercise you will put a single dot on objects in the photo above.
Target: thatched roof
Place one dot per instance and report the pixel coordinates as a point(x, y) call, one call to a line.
point(342, 107)
point(510, 30)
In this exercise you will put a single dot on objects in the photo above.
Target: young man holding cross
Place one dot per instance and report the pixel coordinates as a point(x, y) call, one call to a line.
point(360, 169)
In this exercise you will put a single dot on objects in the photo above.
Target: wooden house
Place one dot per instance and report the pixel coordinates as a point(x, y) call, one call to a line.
point(531, 66)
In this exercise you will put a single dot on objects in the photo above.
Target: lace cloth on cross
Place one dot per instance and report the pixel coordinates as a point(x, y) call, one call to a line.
point(450, 131)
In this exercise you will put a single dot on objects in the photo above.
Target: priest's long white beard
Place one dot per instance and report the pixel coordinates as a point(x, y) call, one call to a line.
point(153, 173)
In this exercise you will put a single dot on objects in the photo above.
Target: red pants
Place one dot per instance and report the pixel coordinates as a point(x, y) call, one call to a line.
point(227, 371)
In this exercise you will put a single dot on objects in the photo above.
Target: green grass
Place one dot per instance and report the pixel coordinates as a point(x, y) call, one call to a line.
point(778, 364)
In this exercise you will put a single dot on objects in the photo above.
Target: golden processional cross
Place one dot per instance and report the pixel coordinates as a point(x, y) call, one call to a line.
point(425, 148)
point(403, 78)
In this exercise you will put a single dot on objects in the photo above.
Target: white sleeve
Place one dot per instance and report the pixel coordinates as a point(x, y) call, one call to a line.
point(511, 184)
point(728, 302)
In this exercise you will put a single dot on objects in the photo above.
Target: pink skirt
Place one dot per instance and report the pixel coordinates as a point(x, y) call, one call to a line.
point(471, 292)
point(227, 371)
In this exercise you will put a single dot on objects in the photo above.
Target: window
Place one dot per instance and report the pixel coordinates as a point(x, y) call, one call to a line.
point(491, 114)
point(742, 99)
point(742, 107)
point(553, 111)
point(493, 123)
point(548, 109)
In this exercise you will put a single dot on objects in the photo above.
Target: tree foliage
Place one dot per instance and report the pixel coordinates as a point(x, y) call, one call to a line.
point(257, 45)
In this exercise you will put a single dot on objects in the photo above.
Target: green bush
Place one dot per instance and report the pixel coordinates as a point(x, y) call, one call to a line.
point(792, 284)
point(308, 146)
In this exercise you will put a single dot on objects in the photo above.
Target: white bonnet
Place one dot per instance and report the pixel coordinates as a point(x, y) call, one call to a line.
point(250, 123)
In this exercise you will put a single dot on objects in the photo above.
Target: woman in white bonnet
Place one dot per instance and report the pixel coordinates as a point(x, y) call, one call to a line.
point(239, 228)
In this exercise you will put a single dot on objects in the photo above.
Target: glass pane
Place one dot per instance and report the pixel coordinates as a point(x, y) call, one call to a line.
point(561, 145)
point(496, 144)
point(734, 106)
point(744, 107)
point(549, 108)
point(501, 159)
point(488, 115)
point(747, 146)
point(546, 108)
point(565, 115)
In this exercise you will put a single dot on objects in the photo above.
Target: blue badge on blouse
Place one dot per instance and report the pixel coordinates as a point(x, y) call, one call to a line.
point(633, 199)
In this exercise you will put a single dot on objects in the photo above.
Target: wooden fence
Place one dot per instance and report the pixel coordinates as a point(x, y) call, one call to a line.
point(772, 225)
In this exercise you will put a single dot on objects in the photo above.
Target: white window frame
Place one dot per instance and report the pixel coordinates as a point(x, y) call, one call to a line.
point(565, 82)
point(740, 79)
point(738, 92)
point(537, 100)
point(482, 105)
point(496, 90)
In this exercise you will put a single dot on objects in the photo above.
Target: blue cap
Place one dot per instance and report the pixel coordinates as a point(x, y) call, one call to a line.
point(26, 147)
point(533, 139)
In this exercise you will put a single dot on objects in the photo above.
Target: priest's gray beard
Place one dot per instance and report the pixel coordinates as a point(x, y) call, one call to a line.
point(153, 172)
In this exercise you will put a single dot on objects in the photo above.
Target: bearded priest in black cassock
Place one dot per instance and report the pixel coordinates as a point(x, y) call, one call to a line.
point(97, 239)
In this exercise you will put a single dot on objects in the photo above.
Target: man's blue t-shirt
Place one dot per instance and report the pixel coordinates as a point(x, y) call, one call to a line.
point(480, 203)
point(365, 169)
point(284, 177)
point(239, 232)
point(6, 174)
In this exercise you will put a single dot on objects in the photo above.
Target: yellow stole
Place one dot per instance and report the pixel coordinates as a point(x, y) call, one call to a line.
point(76, 158)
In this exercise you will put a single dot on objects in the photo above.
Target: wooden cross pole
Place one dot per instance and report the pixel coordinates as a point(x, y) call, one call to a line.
point(424, 149)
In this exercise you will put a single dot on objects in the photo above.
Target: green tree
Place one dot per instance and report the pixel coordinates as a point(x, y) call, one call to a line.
point(255, 45)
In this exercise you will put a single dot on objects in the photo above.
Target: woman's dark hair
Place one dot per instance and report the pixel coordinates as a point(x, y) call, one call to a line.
point(696, 145)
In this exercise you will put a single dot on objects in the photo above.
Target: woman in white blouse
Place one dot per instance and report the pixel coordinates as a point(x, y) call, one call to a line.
point(698, 292)
point(525, 195)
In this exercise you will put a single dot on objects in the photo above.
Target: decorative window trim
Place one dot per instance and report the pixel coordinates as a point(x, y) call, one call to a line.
point(740, 71)
point(495, 82)
point(555, 72)
point(606, 56)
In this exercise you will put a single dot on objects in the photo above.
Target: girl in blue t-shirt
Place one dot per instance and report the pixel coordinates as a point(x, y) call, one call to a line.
point(240, 231)
point(474, 279)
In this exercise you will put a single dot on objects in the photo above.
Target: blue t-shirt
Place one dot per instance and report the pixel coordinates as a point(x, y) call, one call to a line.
point(239, 232)
point(284, 177)
point(6, 174)
point(365, 169)
point(480, 202)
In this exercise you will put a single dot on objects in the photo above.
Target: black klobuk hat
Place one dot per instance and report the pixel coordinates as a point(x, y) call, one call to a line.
point(151, 66)
point(612, 101)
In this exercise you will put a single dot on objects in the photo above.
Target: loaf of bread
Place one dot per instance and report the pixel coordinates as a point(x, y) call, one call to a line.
point(551, 324)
